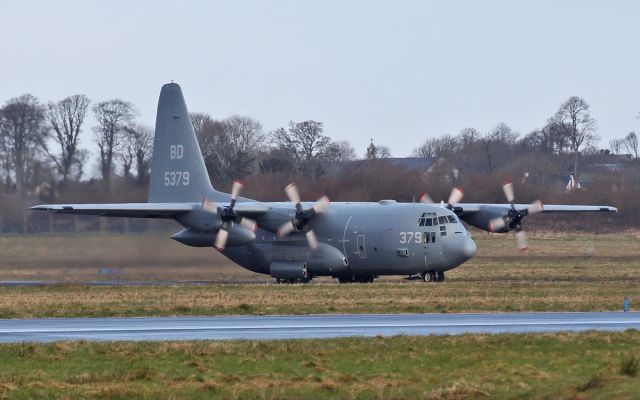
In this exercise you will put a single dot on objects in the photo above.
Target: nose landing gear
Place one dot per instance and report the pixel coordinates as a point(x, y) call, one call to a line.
point(433, 276)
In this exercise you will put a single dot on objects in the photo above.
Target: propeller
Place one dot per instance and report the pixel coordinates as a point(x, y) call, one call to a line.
point(454, 198)
point(513, 219)
point(228, 216)
point(302, 217)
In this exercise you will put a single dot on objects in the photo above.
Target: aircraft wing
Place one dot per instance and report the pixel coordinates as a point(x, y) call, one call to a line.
point(143, 210)
point(471, 208)
point(131, 210)
point(481, 215)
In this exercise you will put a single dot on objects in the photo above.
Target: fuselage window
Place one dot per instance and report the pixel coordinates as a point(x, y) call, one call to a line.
point(452, 219)
point(442, 220)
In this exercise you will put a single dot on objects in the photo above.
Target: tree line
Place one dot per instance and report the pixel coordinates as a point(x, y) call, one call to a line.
point(42, 159)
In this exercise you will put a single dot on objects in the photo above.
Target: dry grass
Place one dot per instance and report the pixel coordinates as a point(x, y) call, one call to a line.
point(576, 272)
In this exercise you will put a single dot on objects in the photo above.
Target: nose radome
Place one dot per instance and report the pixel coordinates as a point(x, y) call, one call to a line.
point(469, 247)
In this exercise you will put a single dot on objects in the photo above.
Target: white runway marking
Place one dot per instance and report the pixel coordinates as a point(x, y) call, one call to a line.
point(308, 326)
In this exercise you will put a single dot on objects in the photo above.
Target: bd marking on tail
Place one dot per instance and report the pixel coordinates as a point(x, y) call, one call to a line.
point(176, 151)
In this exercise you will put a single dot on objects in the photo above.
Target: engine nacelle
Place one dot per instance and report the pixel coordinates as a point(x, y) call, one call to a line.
point(482, 218)
point(201, 221)
point(238, 236)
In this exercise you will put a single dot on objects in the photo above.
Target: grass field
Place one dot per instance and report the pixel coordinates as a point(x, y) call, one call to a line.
point(560, 273)
point(586, 365)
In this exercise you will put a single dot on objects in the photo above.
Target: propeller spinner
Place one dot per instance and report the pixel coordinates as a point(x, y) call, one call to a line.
point(228, 216)
point(513, 219)
point(303, 217)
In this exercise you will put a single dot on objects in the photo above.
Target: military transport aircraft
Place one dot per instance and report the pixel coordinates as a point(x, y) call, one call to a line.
point(294, 242)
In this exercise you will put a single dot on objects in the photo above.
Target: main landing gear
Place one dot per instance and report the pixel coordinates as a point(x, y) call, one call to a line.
point(356, 278)
point(282, 281)
point(433, 276)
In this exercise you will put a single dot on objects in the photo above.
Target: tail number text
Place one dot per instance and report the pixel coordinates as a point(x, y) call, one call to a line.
point(176, 178)
point(410, 237)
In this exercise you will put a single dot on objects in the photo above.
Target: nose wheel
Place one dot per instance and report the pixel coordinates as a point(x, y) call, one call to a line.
point(433, 276)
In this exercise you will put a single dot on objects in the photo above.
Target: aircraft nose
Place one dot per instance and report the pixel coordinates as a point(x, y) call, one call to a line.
point(458, 249)
point(469, 247)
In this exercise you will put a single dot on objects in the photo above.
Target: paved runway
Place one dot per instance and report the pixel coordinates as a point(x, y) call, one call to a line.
point(310, 326)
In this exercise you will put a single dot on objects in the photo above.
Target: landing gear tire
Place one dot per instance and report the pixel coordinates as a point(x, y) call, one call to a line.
point(429, 277)
point(356, 279)
point(433, 276)
point(290, 281)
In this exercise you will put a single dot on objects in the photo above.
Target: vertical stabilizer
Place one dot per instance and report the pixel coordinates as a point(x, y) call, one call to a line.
point(178, 172)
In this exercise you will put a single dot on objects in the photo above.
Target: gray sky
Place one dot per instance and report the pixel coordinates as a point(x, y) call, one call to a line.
point(394, 71)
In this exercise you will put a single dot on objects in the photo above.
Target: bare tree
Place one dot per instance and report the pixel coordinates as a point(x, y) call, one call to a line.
point(498, 144)
point(551, 139)
point(112, 116)
point(305, 139)
point(383, 151)
point(245, 134)
point(23, 132)
point(338, 151)
point(616, 146)
point(66, 118)
point(576, 122)
point(212, 140)
point(230, 146)
point(468, 136)
point(630, 143)
point(136, 145)
point(245, 139)
point(440, 147)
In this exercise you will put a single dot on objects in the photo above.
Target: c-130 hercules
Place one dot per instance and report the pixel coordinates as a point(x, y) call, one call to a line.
point(351, 241)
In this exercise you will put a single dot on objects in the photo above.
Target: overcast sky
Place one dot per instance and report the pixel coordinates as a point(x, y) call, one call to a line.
point(394, 71)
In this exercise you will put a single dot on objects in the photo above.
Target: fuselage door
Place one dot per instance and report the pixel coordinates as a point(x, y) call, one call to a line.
point(361, 247)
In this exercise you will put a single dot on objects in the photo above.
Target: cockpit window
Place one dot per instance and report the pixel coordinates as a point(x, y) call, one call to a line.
point(428, 219)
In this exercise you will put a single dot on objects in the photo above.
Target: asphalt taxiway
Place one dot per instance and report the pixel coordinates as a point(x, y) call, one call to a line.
point(306, 326)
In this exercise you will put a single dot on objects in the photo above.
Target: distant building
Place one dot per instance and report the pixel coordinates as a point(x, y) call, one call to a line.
point(371, 151)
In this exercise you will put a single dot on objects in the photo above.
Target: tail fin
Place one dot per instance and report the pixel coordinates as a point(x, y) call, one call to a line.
point(178, 172)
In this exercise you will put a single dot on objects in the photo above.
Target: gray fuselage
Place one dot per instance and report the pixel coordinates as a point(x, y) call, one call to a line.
point(384, 238)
